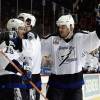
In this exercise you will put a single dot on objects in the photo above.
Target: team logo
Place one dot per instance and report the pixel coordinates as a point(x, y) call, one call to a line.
point(65, 55)
point(56, 40)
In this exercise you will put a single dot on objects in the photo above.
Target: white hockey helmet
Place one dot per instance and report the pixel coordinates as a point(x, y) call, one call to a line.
point(14, 24)
point(26, 16)
point(65, 20)
point(23, 15)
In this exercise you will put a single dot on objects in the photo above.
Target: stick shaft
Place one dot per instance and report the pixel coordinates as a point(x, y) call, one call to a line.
point(20, 71)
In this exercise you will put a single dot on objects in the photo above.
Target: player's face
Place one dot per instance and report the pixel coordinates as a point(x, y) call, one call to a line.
point(28, 26)
point(21, 32)
point(64, 31)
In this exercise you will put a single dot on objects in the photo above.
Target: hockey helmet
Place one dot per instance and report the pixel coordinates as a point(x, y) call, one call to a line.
point(28, 17)
point(14, 24)
point(65, 20)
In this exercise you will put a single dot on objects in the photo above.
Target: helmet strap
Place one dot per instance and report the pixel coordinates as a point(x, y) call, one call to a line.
point(70, 34)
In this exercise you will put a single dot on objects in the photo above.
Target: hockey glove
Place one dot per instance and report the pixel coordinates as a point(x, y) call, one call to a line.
point(12, 69)
point(27, 76)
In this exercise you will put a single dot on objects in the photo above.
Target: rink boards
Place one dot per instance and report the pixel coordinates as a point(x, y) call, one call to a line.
point(91, 89)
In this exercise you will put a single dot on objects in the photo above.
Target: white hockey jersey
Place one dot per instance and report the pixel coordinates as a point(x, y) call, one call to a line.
point(30, 57)
point(69, 57)
point(11, 53)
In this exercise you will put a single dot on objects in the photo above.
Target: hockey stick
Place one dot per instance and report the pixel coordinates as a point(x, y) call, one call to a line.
point(20, 71)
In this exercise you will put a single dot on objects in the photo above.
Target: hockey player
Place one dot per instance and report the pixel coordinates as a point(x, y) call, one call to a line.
point(31, 52)
point(9, 80)
point(67, 53)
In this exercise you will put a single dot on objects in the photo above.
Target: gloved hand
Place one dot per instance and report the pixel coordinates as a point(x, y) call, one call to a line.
point(27, 75)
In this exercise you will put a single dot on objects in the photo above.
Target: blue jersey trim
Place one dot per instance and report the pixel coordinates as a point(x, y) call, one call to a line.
point(18, 85)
